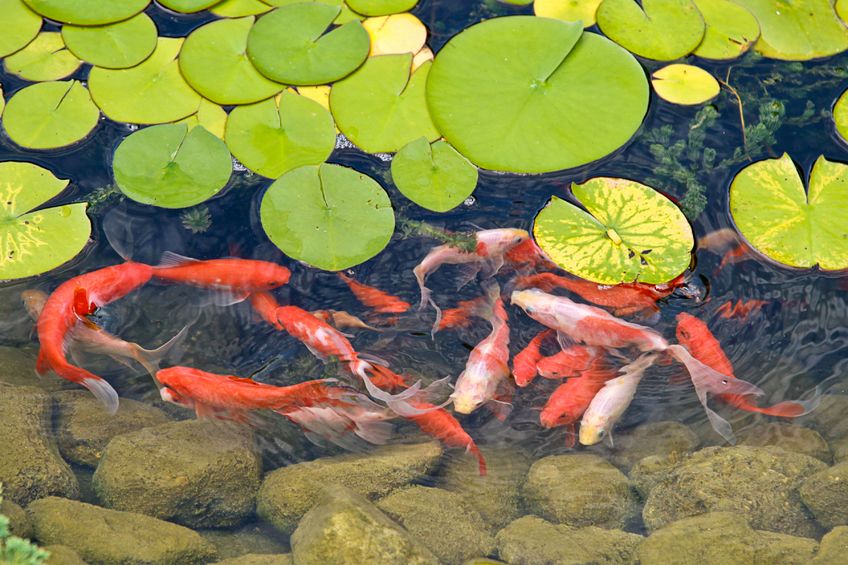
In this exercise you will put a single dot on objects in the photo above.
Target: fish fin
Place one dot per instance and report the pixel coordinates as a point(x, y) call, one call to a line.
point(499, 408)
point(467, 273)
point(42, 365)
point(150, 358)
point(373, 359)
point(82, 305)
point(787, 408)
point(710, 380)
point(570, 435)
point(171, 259)
point(377, 432)
point(609, 438)
point(491, 266)
point(482, 469)
point(564, 340)
point(103, 391)
point(222, 297)
point(421, 277)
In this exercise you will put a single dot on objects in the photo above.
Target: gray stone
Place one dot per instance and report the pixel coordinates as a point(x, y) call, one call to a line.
point(19, 523)
point(63, 555)
point(833, 548)
point(789, 437)
point(258, 559)
point(826, 494)
point(653, 438)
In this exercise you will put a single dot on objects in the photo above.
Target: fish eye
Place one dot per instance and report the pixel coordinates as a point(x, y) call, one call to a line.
point(601, 432)
point(529, 309)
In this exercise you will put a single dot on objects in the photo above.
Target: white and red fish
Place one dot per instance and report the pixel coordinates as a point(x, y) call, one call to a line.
point(569, 362)
point(342, 320)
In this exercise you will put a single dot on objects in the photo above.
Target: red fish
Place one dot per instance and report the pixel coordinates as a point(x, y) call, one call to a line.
point(460, 316)
point(73, 299)
point(440, 424)
point(524, 363)
point(528, 254)
point(374, 298)
point(570, 362)
point(342, 320)
point(266, 306)
point(740, 309)
point(237, 276)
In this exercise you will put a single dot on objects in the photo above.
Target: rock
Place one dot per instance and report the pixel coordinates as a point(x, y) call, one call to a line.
point(440, 520)
point(258, 538)
point(833, 547)
point(19, 523)
point(197, 473)
point(531, 541)
point(653, 438)
point(287, 493)
point(829, 416)
point(789, 437)
point(784, 549)
point(343, 528)
point(30, 466)
point(839, 447)
point(826, 494)
point(83, 428)
point(497, 496)
point(17, 366)
point(759, 482)
point(258, 559)
point(63, 555)
point(107, 536)
point(649, 472)
point(580, 489)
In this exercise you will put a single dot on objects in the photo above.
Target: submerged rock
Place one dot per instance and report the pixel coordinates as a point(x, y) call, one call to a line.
point(107, 536)
point(63, 555)
point(580, 490)
point(343, 528)
point(197, 473)
point(440, 520)
point(839, 447)
point(256, 538)
point(17, 366)
point(287, 493)
point(30, 466)
point(826, 494)
point(19, 523)
point(653, 438)
point(833, 547)
point(650, 471)
point(790, 437)
point(829, 416)
point(258, 559)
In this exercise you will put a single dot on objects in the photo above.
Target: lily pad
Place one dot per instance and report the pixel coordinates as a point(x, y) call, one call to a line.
point(398, 33)
point(34, 242)
point(114, 46)
point(568, 10)
point(209, 115)
point(18, 26)
point(44, 58)
point(214, 61)
point(290, 45)
point(280, 134)
point(782, 221)
point(239, 8)
point(841, 7)
point(685, 84)
point(188, 6)
point(346, 14)
point(798, 30)
point(49, 115)
point(153, 92)
point(381, 7)
point(434, 177)
point(628, 232)
point(88, 12)
point(328, 216)
point(424, 54)
point(731, 29)
point(381, 107)
point(658, 29)
point(528, 94)
point(172, 166)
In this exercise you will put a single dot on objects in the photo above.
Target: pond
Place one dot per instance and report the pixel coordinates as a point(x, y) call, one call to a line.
point(684, 227)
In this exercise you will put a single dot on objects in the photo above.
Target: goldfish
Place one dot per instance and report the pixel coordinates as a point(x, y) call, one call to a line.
point(235, 276)
point(460, 316)
point(524, 363)
point(374, 298)
point(72, 300)
point(528, 254)
point(441, 424)
point(727, 243)
point(266, 305)
point(740, 309)
point(570, 362)
point(342, 320)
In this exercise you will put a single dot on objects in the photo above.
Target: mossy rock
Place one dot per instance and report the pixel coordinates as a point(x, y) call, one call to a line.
point(17, 366)
point(100, 535)
point(197, 473)
point(531, 540)
point(829, 416)
point(31, 467)
point(826, 494)
point(344, 528)
point(19, 523)
point(63, 555)
point(440, 520)
point(256, 538)
point(650, 471)
point(653, 438)
point(833, 547)
point(580, 490)
point(258, 559)
point(839, 448)
point(784, 549)
point(287, 493)
point(790, 437)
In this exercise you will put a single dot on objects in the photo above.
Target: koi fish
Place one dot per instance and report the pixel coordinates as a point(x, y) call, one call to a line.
point(727, 243)
point(570, 362)
point(528, 254)
point(266, 305)
point(72, 300)
point(460, 316)
point(342, 320)
point(374, 298)
point(440, 424)
point(740, 309)
point(524, 363)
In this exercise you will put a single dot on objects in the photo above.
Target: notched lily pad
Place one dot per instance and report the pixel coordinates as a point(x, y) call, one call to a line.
point(663, 30)
point(731, 29)
point(114, 46)
point(628, 232)
point(188, 6)
point(346, 14)
point(381, 7)
point(209, 115)
point(50, 115)
point(18, 26)
point(434, 176)
point(398, 33)
point(568, 10)
point(45, 58)
point(88, 12)
point(782, 221)
point(239, 8)
point(685, 84)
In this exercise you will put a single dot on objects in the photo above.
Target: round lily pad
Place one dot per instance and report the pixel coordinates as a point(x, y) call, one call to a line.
point(628, 232)
point(731, 29)
point(114, 46)
point(50, 115)
point(435, 176)
point(188, 6)
point(528, 94)
point(398, 33)
point(568, 10)
point(685, 84)
point(290, 45)
point(381, 7)
point(44, 58)
point(209, 115)
point(34, 242)
point(840, 115)
point(424, 54)
point(280, 134)
point(328, 216)
point(18, 26)
point(841, 7)
point(152, 92)
point(782, 221)
point(382, 106)
point(172, 165)
point(214, 61)
point(88, 12)
point(239, 8)
point(346, 14)
point(658, 29)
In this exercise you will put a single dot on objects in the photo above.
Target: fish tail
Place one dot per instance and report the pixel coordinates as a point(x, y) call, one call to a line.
point(151, 358)
point(421, 277)
point(98, 386)
point(785, 409)
point(482, 468)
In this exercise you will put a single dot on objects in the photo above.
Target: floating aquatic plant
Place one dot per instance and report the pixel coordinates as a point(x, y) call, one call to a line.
point(655, 29)
point(197, 219)
point(15, 550)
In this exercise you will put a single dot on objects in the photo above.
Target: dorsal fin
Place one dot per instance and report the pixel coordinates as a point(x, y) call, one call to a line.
point(171, 259)
point(242, 380)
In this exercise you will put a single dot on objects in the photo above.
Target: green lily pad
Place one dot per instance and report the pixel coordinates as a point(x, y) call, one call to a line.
point(280, 134)
point(328, 216)
point(209, 115)
point(172, 166)
point(346, 14)
point(44, 58)
point(685, 84)
point(731, 29)
point(152, 92)
point(88, 12)
point(49, 115)
point(188, 6)
point(528, 94)
point(568, 10)
point(18, 26)
point(115, 46)
point(798, 30)
point(434, 177)
point(31, 242)
point(290, 45)
point(841, 7)
point(214, 61)
point(381, 107)
point(2, 99)
point(239, 8)
point(782, 221)
point(628, 232)
point(663, 30)
point(381, 7)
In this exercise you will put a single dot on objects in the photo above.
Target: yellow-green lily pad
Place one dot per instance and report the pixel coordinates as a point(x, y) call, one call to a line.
point(686, 85)
point(381, 7)
point(239, 8)
point(434, 176)
point(398, 33)
point(113, 46)
point(346, 14)
point(841, 7)
point(88, 12)
point(209, 115)
point(625, 232)
point(18, 26)
point(731, 29)
point(44, 58)
point(188, 6)
point(663, 30)
point(792, 226)
point(568, 10)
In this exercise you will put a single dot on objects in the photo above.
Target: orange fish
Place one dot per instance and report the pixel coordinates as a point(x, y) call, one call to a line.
point(524, 363)
point(460, 316)
point(528, 254)
point(740, 309)
point(342, 320)
point(237, 276)
point(570, 362)
point(266, 306)
point(374, 298)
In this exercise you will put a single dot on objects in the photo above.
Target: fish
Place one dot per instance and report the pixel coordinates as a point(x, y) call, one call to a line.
point(740, 309)
point(529, 255)
point(696, 335)
point(524, 363)
point(461, 315)
point(569, 362)
point(439, 423)
point(727, 243)
point(594, 326)
point(72, 300)
point(374, 298)
point(266, 305)
point(342, 320)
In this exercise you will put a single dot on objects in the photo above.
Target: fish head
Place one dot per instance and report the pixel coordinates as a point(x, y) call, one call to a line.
point(593, 431)
point(688, 328)
point(34, 301)
point(552, 418)
point(465, 403)
point(468, 395)
point(274, 276)
point(172, 396)
point(529, 300)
